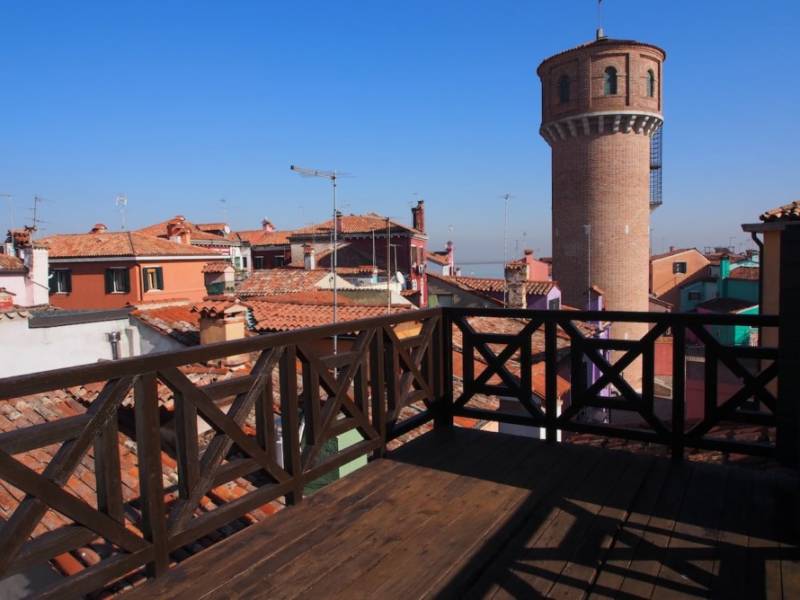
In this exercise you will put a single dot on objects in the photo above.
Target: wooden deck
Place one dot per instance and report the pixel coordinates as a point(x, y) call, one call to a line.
point(477, 514)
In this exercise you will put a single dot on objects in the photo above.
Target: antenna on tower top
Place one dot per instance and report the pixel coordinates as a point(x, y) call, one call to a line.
point(600, 33)
point(122, 203)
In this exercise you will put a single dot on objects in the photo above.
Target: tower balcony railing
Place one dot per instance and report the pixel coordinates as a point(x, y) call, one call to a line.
point(268, 422)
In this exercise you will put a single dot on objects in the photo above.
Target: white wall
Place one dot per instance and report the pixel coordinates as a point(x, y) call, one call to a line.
point(28, 350)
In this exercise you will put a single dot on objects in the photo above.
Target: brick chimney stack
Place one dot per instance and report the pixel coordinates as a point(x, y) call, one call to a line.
point(267, 225)
point(515, 286)
point(418, 216)
point(309, 259)
point(338, 221)
point(99, 228)
point(223, 321)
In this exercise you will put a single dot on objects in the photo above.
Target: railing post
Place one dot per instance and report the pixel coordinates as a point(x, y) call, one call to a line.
point(290, 423)
point(678, 388)
point(444, 351)
point(551, 382)
point(787, 433)
point(151, 485)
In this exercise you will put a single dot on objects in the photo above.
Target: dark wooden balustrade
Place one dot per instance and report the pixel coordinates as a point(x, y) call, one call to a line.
point(392, 376)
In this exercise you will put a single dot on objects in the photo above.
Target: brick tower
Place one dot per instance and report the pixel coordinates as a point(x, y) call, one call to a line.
point(601, 105)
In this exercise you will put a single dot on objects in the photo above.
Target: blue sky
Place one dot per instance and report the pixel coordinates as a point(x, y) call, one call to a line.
point(179, 104)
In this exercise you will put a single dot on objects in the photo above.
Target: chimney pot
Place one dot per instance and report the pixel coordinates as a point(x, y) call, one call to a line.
point(418, 216)
point(309, 260)
point(99, 228)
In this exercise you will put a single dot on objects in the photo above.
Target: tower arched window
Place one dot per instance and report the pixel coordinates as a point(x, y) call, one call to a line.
point(610, 81)
point(563, 90)
point(651, 83)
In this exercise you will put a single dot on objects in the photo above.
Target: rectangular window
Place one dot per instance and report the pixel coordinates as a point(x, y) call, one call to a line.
point(60, 281)
point(237, 262)
point(444, 299)
point(244, 262)
point(258, 262)
point(117, 281)
point(277, 261)
point(554, 304)
point(695, 296)
point(679, 267)
point(152, 279)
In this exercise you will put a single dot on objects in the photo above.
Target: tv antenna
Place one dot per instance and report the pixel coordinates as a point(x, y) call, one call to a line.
point(121, 202)
point(506, 198)
point(37, 200)
point(332, 176)
point(600, 33)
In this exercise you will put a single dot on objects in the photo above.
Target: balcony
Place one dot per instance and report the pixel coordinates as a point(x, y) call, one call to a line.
point(133, 482)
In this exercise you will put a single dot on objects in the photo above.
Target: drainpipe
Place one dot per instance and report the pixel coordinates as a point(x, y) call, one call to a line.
point(760, 245)
point(114, 338)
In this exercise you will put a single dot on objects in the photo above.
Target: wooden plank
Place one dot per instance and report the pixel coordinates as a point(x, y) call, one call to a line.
point(617, 562)
point(766, 527)
point(26, 439)
point(290, 423)
point(651, 539)
point(151, 486)
point(408, 511)
point(331, 509)
point(678, 391)
point(50, 544)
point(186, 444)
point(544, 550)
point(378, 390)
point(107, 470)
point(687, 566)
point(582, 569)
point(730, 568)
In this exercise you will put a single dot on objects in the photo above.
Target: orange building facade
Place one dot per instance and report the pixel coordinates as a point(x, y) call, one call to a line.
point(670, 270)
point(105, 270)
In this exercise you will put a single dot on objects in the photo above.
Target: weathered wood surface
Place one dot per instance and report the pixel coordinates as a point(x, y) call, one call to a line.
point(465, 513)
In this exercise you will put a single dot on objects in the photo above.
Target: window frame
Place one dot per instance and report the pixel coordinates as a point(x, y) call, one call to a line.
point(694, 296)
point(258, 262)
point(679, 267)
point(159, 279)
point(650, 88)
point(610, 81)
point(54, 280)
point(564, 88)
point(554, 304)
point(111, 283)
point(278, 260)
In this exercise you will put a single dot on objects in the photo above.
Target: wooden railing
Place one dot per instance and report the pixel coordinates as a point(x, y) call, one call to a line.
point(392, 375)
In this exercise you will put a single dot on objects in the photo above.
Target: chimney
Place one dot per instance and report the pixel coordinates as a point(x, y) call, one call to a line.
point(309, 260)
point(515, 286)
point(267, 225)
point(672, 248)
point(418, 216)
point(178, 232)
point(451, 259)
point(99, 228)
point(338, 221)
point(223, 321)
point(6, 299)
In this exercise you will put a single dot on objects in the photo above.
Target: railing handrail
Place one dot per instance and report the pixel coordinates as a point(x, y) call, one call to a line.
point(43, 381)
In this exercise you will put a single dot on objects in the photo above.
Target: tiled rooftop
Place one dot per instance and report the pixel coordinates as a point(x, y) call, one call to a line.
point(745, 273)
point(497, 285)
point(118, 243)
point(353, 224)
point(286, 315)
point(179, 322)
point(11, 264)
point(726, 305)
point(787, 212)
point(280, 281)
point(217, 266)
point(196, 232)
point(259, 237)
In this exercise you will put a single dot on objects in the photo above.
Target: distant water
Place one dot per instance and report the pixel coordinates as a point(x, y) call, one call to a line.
point(494, 269)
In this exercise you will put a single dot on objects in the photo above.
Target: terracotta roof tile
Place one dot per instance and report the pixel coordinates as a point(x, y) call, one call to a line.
point(282, 316)
point(119, 243)
point(280, 281)
point(178, 322)
point(745, 273)
point(355, 224)
point(217, 266)
point(440, 258)
point(672, 252)
point(259, 237)
point(787, 212)
point(497, 285)
point(197, 233)
point(11, 264)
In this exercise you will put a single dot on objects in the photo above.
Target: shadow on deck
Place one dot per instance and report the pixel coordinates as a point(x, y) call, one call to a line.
point(475, 514)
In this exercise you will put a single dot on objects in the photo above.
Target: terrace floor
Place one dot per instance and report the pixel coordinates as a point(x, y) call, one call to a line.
point(477, 514)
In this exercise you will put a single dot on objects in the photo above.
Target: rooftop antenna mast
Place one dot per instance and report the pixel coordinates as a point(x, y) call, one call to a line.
point(224, 203)
point(121, 202)
point(600, 33)
point(37, 200)
point(332, 176)
point(506, 198)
